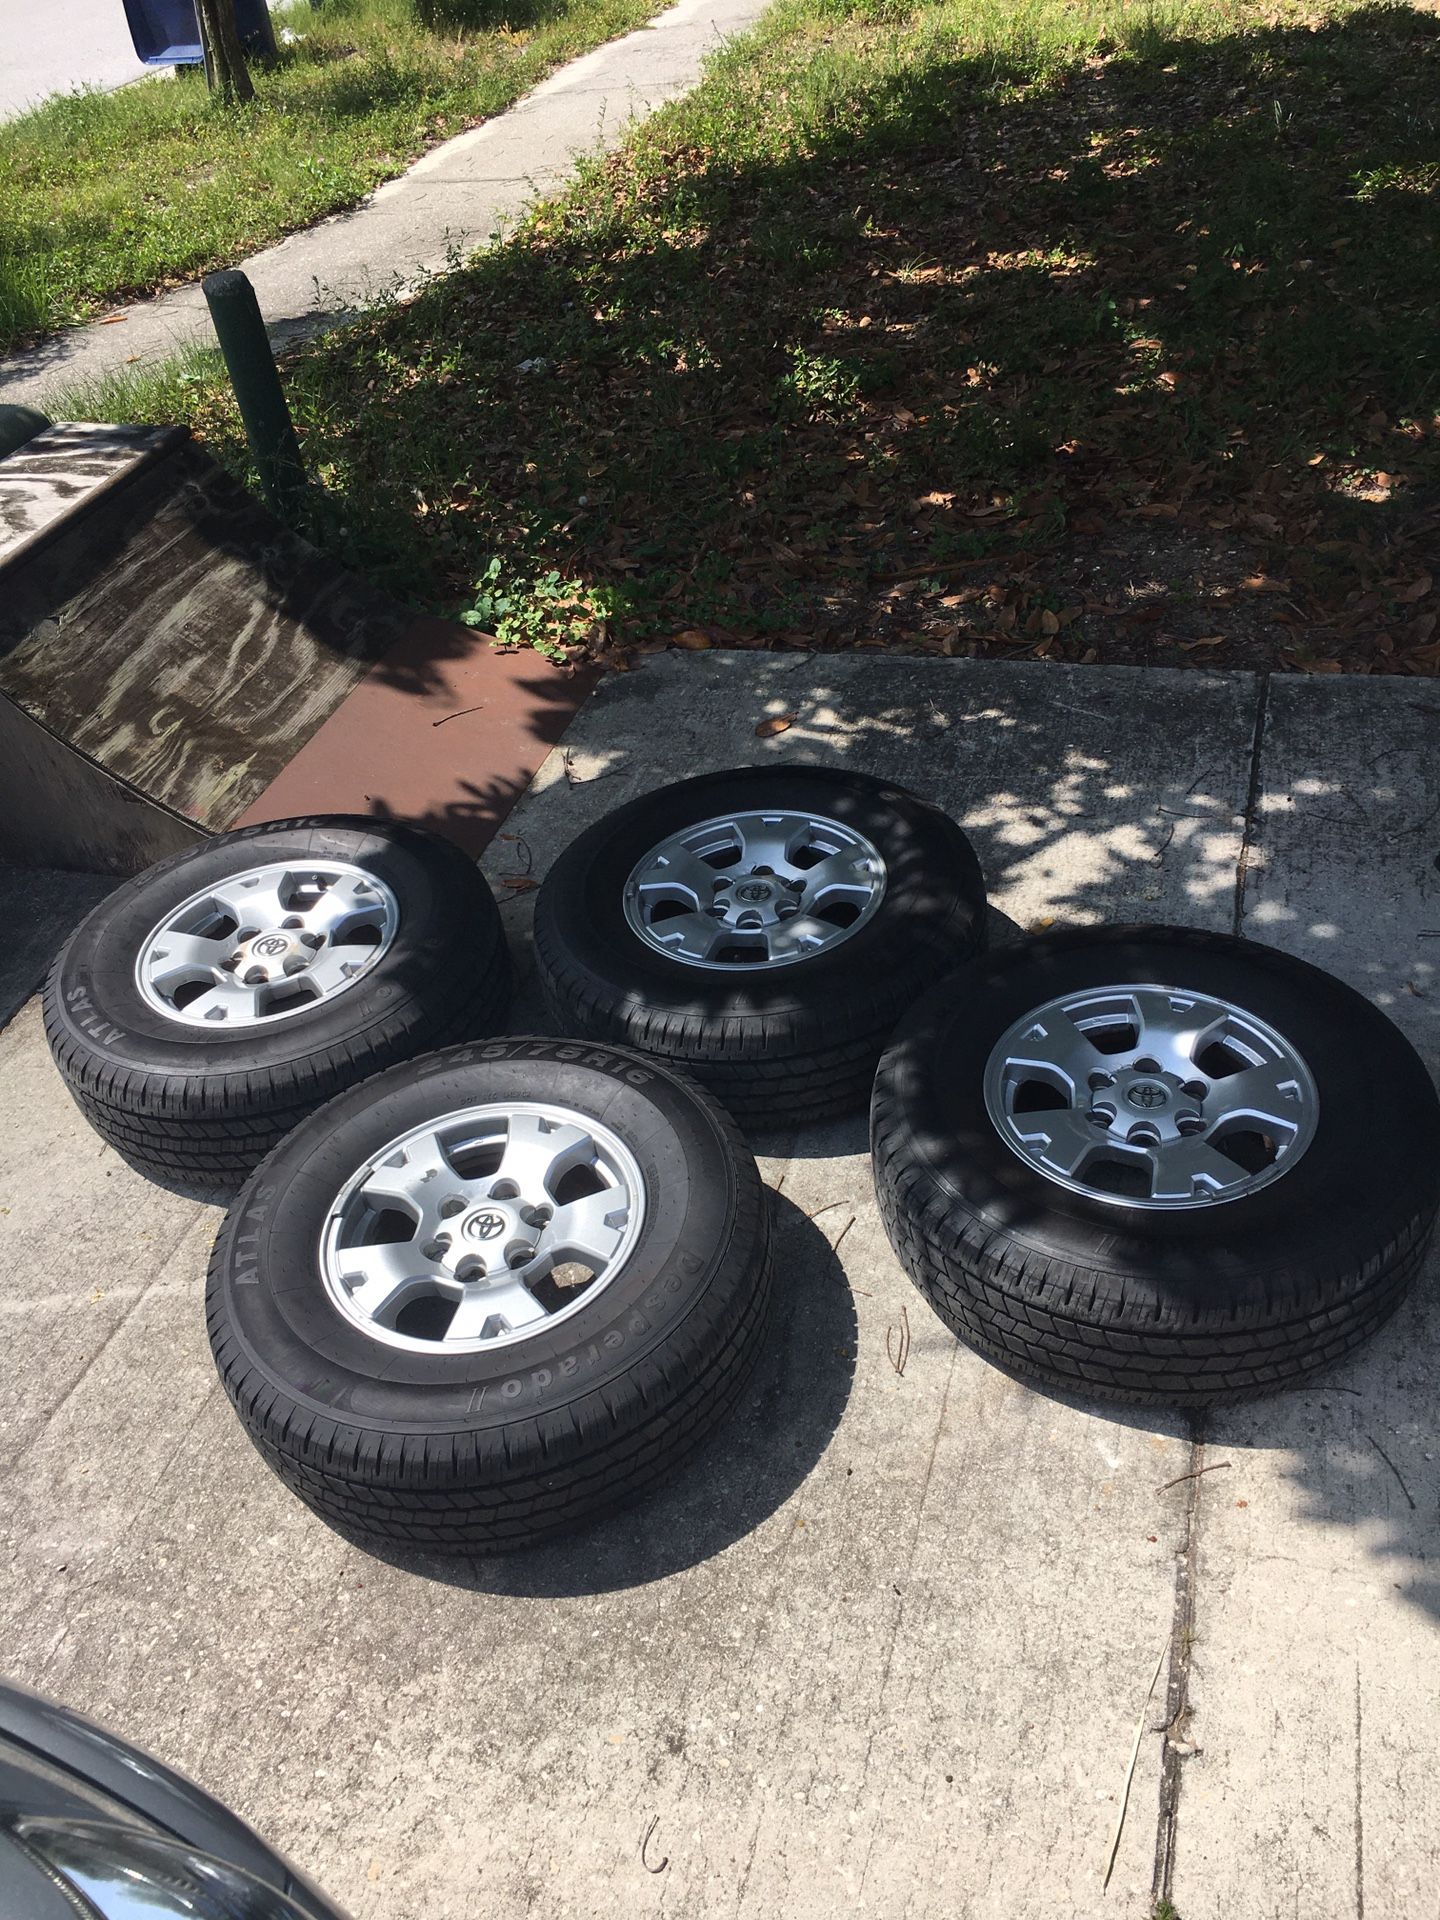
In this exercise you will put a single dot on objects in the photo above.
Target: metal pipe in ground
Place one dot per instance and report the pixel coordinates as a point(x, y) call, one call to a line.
point(256, 380)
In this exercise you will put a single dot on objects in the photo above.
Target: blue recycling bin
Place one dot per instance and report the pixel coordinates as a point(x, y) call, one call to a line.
point(166, 33)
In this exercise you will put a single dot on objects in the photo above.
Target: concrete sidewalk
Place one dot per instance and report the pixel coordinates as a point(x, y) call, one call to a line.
point(884, 1649)
point(451, 202)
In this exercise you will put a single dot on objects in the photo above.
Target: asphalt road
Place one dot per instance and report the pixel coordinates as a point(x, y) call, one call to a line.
point(59, 46)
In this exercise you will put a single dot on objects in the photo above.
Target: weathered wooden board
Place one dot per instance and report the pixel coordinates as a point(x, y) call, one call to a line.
point(66, 468)
point(174, 634)
point(59, 809)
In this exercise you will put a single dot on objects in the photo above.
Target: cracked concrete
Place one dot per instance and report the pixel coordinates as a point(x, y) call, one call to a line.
point(884, 1648)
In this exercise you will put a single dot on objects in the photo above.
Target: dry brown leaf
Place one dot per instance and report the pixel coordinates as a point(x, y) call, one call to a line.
point(777, 723)
point(692, 639)
point(1206, 640)
point(1265, 583)
point(518, 882)
point(1416, 590)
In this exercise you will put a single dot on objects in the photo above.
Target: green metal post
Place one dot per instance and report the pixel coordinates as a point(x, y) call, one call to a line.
point(256, 380)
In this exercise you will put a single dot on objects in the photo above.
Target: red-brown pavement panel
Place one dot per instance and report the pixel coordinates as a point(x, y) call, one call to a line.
point(444, 731)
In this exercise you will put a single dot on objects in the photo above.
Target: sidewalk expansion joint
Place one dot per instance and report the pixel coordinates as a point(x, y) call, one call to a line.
point(1252, 801)
point(1175, 1730)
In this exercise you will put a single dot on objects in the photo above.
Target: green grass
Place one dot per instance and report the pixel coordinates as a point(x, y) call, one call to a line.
point(104, 195)
point(1090, 329)
point(165, 391)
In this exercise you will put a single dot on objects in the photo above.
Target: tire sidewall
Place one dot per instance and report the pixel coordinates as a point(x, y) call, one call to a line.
point(266, 1285)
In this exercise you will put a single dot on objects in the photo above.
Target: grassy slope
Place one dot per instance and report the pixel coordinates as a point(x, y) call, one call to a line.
point(103, 195)
point(1090, 328)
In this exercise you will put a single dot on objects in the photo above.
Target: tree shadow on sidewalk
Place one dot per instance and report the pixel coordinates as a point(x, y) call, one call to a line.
point(772, 1442)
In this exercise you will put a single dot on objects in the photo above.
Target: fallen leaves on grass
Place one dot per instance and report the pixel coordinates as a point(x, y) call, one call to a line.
point(1095, 360)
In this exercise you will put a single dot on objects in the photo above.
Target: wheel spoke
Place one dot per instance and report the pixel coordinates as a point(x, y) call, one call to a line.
point(351, 902)
point(232, 1001)
point(331, 968)
point(678, 874)
point(841, 876)
point(591, 1228)
point(511, 1302)
point(418, 1176)
point(1055, 1041)
point(803, 934)
point(1193, 1168)
point(1267, 1093)
point(695, 935)
point(1169, 1034)
point(765, 841)
point(178, 957)
point(1061, 1138)
point(256, 901)
point(379, 1277)
point(538, 1153)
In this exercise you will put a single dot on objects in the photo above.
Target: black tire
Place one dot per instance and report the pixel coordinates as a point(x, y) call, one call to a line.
point(1184, 1307)
point(198, 1109)
point(794, 1043)
point(489, 1450)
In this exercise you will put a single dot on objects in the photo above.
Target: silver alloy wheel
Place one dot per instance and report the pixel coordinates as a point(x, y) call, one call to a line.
point(1150, 1097)
point(482, 1228)
point(267, 943)
point(755, 889)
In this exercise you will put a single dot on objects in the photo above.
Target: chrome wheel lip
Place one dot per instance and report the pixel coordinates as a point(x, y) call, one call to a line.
point(765, 895)
point(379, 905)
point(1186, 1173)
point(435, 1277)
